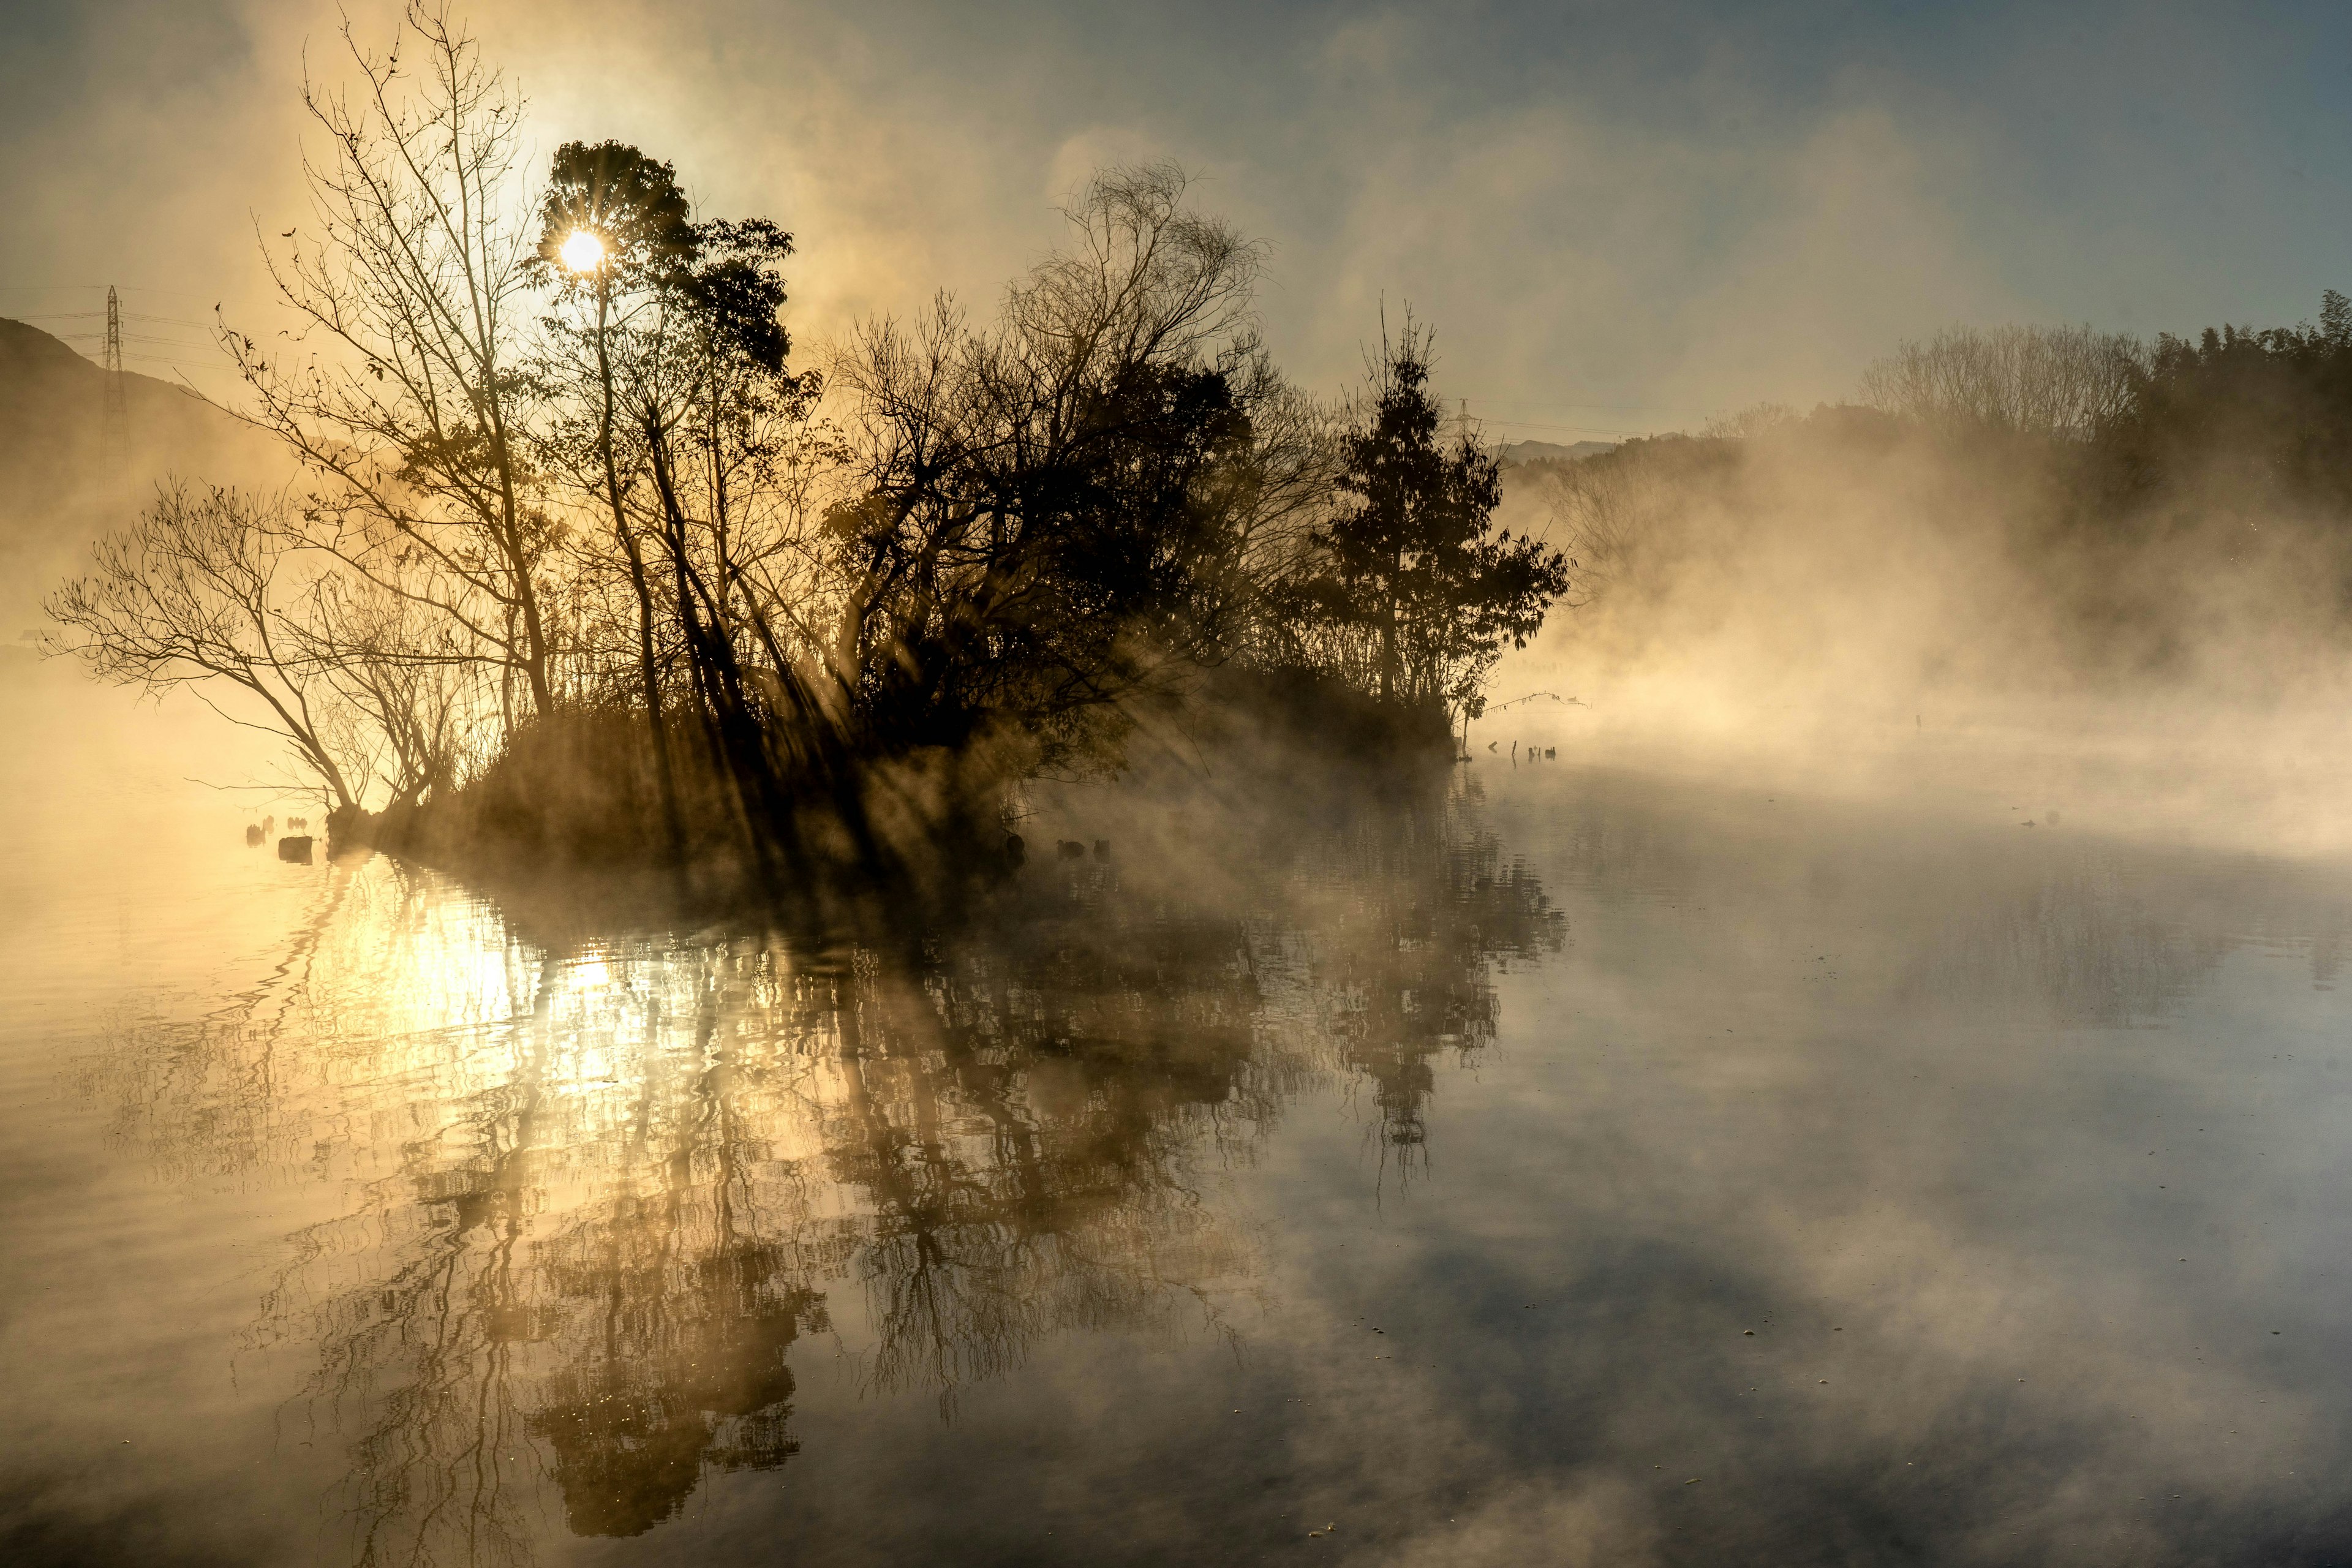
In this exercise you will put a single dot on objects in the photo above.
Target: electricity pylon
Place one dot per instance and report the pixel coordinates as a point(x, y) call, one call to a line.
point(114, 426)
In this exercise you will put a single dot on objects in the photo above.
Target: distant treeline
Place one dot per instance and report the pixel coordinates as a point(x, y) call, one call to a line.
point(2131, 508)
point(2258, 421)
point(581, 560)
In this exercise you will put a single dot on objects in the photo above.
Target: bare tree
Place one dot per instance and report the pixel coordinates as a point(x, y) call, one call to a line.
point(2064, 382)
point(201, 588)
point(402, 394)
point(1055, 515)
point(402, 672)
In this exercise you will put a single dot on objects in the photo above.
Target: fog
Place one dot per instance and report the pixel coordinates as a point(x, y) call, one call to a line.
point(1827, 605)
point(1847, 1064)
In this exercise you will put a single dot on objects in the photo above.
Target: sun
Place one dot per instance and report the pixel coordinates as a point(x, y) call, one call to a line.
point(583, 251)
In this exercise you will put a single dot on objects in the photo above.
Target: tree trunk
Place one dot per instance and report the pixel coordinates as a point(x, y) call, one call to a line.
point(1389, 631)
point(649, 671)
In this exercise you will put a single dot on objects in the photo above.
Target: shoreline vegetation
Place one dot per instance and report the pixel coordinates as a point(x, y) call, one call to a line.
point(1326, 757)
point(581, 570)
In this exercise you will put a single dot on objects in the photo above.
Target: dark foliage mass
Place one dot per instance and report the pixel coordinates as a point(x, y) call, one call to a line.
point(2135, 440)
point(2264, 418)
point(1410, 560)
point(580, 563)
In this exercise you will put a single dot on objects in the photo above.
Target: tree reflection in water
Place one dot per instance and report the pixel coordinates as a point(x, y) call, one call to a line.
point(599, 1193)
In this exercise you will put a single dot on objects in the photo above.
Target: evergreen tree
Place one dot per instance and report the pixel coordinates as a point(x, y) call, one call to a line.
point(1413, 562)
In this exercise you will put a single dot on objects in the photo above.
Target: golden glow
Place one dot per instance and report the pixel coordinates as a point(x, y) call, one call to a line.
point(583, 252)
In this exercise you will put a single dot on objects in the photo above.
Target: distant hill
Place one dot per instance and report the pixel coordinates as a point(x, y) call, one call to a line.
point(55, 497)
point(1550, 451)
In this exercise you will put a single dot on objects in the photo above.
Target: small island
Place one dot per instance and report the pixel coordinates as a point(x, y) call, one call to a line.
point(580, 569)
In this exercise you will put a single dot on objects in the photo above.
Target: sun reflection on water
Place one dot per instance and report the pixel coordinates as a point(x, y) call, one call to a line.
point(599, 1195)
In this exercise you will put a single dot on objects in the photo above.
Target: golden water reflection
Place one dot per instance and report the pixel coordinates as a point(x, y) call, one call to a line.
point(593, 1198)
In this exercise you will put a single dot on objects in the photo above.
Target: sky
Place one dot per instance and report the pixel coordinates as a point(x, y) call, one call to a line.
point(1619, 217)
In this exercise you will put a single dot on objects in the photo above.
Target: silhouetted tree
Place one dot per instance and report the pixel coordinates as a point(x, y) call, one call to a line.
point(563, 482)
point(628, 211)
point(1058, 515)
point(1413, 561)
point(2256, 420)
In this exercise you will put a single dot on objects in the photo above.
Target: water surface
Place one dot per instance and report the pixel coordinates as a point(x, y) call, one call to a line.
point(1573, 1166)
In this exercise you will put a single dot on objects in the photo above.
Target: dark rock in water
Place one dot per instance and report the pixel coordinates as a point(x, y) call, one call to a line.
point(252, 834)
point(1016, 848)
point(350, 826)
point(1070, 850)
point(297, 849)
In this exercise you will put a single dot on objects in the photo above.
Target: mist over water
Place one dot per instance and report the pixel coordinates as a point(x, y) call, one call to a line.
point(1418, 1167)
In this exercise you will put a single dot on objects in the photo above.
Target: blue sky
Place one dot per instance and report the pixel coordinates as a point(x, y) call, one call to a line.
point(1619, 217)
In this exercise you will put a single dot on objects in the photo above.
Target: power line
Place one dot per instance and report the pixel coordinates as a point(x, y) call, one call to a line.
point(91, 289)
point(139, 347)
point(92, 342)
point(166, 360)
point(142, 330)
point(99, 315)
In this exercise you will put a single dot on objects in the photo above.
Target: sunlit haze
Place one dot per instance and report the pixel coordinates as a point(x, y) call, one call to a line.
point(1444, 786)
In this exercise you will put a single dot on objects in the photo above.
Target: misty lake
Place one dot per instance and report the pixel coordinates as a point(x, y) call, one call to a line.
point(1577, 1164)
